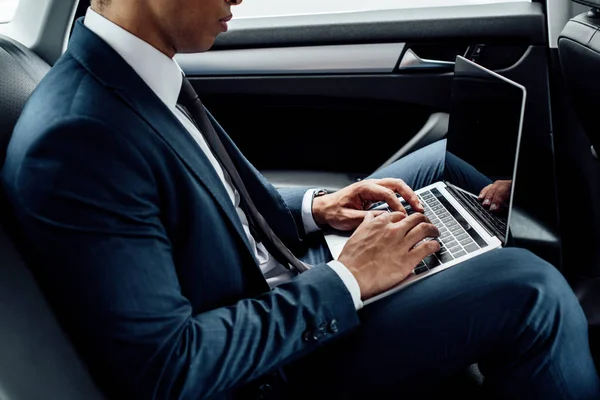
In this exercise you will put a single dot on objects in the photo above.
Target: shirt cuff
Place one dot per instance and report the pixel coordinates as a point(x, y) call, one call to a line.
point(349, 280)
point(308, 221)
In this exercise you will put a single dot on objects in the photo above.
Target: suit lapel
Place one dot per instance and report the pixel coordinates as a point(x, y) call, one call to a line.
point(110, 69)
point(166, 125)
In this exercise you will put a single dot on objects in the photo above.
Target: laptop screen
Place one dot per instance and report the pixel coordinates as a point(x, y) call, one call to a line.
point(485, 129)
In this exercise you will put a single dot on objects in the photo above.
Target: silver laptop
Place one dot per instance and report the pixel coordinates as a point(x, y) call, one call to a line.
point(486, 119)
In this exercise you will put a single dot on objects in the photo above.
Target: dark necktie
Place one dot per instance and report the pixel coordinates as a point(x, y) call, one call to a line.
point(189, 100)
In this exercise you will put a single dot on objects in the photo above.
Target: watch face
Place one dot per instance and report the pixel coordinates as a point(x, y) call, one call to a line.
point(320, 192)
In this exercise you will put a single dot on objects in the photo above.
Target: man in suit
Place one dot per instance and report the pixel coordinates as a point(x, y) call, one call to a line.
point(179, 272)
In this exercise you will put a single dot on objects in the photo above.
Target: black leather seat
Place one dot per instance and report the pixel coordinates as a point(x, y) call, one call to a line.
point(579, 51)
point(37, 361)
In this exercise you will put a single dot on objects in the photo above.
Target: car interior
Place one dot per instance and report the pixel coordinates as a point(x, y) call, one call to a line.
point(361, 89)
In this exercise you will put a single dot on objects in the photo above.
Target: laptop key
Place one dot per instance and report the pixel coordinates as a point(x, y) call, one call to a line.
point(431, 261)
point(462, 236)
point(455, 228)
point(455, 249)
point(445, 257)
point(459, 254)
point(447, 219)
point(471, 247)
point(420, 270)
point(466, 241)
point(450, 243)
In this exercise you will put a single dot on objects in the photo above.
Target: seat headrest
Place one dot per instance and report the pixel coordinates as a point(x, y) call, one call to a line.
point(22, 70)
point(591, 3)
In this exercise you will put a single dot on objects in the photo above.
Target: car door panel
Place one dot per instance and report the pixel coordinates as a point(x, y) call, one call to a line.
point(520, 22)
point(342, 116)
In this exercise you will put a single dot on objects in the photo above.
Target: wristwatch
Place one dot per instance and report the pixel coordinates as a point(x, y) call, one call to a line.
point(317, 193)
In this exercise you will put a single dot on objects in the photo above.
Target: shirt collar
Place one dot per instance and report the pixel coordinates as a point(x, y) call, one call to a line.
point(161, 73)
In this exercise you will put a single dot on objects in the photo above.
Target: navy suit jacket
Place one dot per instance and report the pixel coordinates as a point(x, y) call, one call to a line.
point(139, 248)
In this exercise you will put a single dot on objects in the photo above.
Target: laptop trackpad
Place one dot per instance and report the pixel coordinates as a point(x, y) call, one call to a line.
point(336, 242)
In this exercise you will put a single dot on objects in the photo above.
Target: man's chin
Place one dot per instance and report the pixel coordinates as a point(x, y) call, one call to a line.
point(199, 47)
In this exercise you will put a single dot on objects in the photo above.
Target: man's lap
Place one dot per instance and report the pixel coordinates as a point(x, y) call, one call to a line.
point(432, 330)
point(437, 327)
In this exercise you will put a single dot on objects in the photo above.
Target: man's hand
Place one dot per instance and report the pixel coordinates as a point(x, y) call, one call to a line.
point(381, 253)
point(496, 195)
point(346, 209)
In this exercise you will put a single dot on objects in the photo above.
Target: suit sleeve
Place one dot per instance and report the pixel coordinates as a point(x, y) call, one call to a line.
point(293, 199)
point(88, 202)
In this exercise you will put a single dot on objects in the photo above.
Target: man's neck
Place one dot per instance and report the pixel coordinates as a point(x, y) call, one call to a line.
point(138, 22)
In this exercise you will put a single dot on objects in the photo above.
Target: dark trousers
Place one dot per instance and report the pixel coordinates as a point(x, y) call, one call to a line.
point(507, 310)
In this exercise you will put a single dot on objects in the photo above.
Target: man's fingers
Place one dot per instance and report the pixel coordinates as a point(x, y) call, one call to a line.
point(489, 195)
point(408, 223)
point(484, 191)
point(399, 186)
point(352, 219)
point(366, 216)
point(425, 249)
point(396, 216)
point(420, 232)
point(376, 192)
point(487, 202)
point(497, 201)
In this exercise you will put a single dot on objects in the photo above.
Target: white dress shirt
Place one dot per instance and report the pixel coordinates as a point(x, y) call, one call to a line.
point(164, 76)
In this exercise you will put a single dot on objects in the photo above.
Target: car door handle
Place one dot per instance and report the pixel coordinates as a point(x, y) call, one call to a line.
point(411, 61)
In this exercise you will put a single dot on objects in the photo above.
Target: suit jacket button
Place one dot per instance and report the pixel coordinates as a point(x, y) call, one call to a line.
point(319, 333)
point(333, 326)
point(265, 391)
point(307, 336)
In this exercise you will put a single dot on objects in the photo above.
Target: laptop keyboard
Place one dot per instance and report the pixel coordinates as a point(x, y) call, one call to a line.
point(497, 221)
point(457, 237)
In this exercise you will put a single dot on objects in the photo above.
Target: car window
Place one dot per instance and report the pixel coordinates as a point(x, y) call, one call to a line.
point(263, 8)
point(7, 10)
